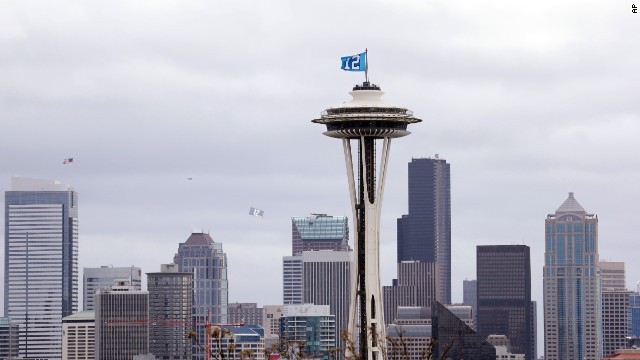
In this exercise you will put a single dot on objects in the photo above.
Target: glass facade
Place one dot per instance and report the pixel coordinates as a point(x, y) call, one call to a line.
point(425, 233)
point(170, 300)
point(470, 297)
point(204, 258)
point(634, 314)
point(122, 324)
point(319, 232)
point(504, 294)
point(455, 340)
point(316, 332)
point(41, 263)
point(572, 307)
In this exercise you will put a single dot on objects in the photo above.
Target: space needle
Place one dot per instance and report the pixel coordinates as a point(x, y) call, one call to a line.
point(366, 119)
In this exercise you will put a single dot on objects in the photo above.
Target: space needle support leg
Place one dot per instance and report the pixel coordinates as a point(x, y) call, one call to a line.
point(353, 297)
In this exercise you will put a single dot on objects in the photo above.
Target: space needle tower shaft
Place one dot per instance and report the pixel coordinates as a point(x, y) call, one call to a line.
point(364, 121)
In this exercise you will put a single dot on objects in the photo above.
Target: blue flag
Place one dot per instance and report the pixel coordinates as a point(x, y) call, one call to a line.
point(356, 62)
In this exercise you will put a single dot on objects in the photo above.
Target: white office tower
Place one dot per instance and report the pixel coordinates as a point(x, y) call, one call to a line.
point(103, 277)
point(41, 263)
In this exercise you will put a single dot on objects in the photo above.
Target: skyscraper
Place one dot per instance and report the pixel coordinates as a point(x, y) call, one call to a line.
point(103, 277)
point(470, 297)
point(320, 271)
point(319, 232)
point(504, 294)
point(425, 233)
point(571, 284)
point(170, 300)
point(41, 262)
point(204, 258)
point(292, 291)
point(327, 281)
point(416, 285)
point(122, 322)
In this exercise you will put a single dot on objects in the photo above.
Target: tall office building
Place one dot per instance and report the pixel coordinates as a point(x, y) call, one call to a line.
point(470, 297)
point(40, 262)
point(425, 233)
point(103, 277)
point(572, 317)
point(615, 320)
point(319, 272)
point(204, 258)
point(416, 285)
point(504, 294)
point(327, 281)
point(292, 292)
point(170, 300)
point(320, 278)
point(533, 334)
point(319, 232)
point(122, 322)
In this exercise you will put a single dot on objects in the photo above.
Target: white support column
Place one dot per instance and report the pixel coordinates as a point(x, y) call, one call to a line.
point(353, 300)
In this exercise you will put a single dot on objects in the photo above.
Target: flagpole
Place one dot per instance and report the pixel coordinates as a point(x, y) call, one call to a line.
point(366, 65)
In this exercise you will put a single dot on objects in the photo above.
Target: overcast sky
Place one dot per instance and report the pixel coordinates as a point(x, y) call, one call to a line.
point(526, 100)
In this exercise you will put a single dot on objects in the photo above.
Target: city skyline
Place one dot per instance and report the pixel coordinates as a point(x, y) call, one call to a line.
point(148, 96)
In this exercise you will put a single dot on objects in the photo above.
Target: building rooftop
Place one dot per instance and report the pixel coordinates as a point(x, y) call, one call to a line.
point(570, 205)
point(27, 184)
point(199, 239)
point(322, 227)
point(81, 315)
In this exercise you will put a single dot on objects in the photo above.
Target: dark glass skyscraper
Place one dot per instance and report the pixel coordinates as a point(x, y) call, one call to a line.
point(170, 300)
point(40, 262)
point(457, 339)
point(504, 294)
point(425, 233)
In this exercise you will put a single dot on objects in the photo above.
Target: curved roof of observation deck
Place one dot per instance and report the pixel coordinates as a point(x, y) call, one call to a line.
point(366, 103)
